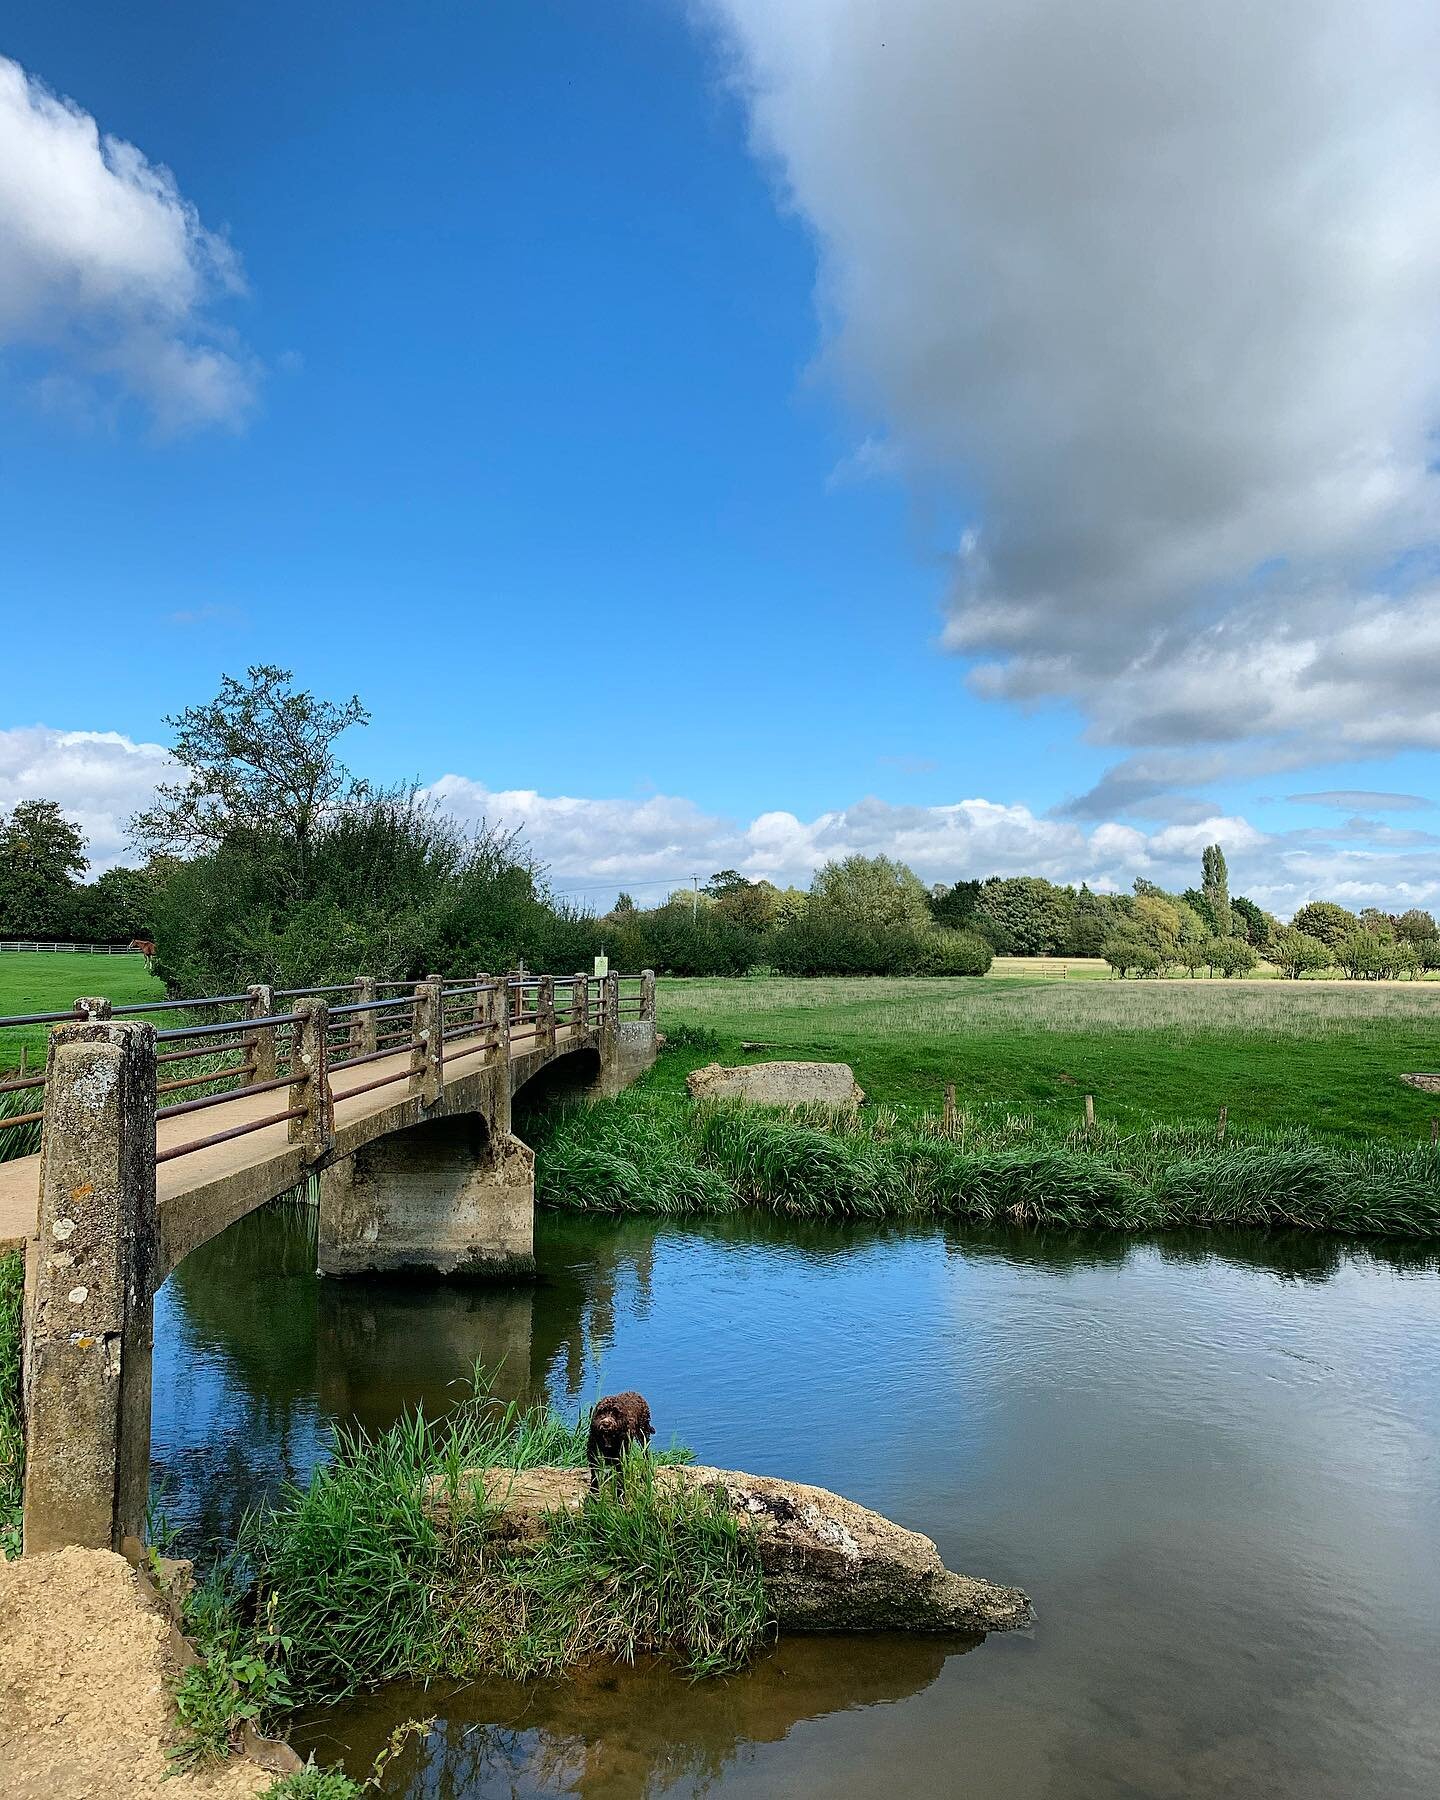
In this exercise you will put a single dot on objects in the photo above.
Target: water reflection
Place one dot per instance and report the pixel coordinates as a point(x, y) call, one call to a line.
point(620, 1733)
point(1213, 1460)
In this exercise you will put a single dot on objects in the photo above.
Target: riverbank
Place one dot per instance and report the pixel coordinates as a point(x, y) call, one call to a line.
point(653, 1151)
point(86, 1677)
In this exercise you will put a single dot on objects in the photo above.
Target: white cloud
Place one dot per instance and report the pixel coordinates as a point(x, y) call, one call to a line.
point(1156, 288)
point(596, 846)
point(105, 266)
point(99, 778)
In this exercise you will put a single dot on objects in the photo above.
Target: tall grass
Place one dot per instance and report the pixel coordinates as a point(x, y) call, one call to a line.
point(650, 1151)
point(12, 1436)
point(382, 1566)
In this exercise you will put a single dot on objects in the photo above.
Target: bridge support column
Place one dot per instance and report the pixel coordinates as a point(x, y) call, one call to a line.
point(449, 1196)
point(88, 1303)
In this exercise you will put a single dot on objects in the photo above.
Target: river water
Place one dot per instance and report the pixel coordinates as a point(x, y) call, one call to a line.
point(1212, 1461)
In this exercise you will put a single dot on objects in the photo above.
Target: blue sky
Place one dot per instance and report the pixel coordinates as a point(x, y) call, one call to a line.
point(561, 349)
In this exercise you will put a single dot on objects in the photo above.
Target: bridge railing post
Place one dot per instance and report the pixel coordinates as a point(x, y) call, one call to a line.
point(545, 1013)
point(500, 1015)
point(482, 1003)
point(609, 1015)
point(260, 1004)
point(89, 1301)
point(364, 1026)
point(427, 1047)
point(647, 995)
point(310, 1078)
point(580, 1010)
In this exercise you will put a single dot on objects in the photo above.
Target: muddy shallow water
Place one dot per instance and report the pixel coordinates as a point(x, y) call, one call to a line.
point(1213, 1462)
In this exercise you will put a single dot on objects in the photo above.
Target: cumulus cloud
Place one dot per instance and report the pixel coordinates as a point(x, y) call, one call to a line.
point(106, 267)
point(99, 778)
point(596, 846)
point(1157, 290)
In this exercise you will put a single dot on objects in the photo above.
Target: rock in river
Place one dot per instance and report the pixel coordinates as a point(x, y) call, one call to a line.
point(829, 1564)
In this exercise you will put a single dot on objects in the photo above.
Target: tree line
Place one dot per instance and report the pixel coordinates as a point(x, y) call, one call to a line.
point(268, 861)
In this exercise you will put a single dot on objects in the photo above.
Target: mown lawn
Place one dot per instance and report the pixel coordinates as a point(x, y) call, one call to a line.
point(32, 983)
point(1323, 1055)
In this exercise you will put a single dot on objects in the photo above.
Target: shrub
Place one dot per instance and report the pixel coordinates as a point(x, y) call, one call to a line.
point(1231, 956)
point(1126, 956)
point(1295, 954)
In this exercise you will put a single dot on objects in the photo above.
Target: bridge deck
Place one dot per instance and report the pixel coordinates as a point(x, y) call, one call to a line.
point(265, 1152)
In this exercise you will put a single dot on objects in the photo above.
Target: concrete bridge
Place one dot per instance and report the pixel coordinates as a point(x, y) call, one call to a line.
point(397, 1096)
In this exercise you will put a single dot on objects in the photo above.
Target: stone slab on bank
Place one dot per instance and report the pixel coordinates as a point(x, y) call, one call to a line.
point(778, 1084)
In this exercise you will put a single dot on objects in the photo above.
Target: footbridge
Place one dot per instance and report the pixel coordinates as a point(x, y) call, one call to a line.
point(395, 1096)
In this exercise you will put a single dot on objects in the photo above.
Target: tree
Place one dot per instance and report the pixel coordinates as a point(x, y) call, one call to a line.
point(41, 857)
point(1367, 956)
point(725, 881)
point(624, 904)
point(1415, 926)
point(1157, 923)
point(1231, 956)
point(1324, 920)
point(1089, 924)
point(1033, 913)
point(754, 904)
point(1251, 922)
point(1124, 954)
point(1372, 919)
point(1215, 885)
point(1295, 954)
point(260, 759)
point(871, 891)
point(955, 905)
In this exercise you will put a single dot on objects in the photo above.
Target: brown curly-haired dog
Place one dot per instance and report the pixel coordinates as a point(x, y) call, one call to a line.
point(617, 1421)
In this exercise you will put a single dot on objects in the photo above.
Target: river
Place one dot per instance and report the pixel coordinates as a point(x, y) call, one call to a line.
point(1212, 1461)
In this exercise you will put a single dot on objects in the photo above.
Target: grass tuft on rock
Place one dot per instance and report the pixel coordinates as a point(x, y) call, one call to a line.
point(361, 1577)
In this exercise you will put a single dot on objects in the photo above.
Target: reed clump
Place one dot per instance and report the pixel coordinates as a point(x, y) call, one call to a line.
point(653, 1151)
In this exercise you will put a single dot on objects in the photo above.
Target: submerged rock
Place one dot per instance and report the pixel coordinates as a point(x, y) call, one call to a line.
point(829, 1564)
point(778, 1084)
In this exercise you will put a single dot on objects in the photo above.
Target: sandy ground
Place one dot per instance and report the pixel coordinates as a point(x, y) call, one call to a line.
point(84, 1674)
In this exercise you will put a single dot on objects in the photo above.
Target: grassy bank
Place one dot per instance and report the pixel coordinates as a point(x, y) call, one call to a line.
point(653, 1151)
point(360, 1577)
point(1323, 1056)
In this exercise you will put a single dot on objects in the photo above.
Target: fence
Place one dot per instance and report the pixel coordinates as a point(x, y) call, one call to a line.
point(16, 945)
point(296, 1039)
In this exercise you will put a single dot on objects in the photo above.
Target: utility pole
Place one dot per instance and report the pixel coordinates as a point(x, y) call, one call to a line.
point(695, 901)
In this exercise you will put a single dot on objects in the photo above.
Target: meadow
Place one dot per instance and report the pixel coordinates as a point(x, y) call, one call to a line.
point(1323, 1056)
point(37, 983)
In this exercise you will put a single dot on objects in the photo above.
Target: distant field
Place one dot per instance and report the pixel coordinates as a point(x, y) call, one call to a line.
point(1327, 1055)
point(43, 983)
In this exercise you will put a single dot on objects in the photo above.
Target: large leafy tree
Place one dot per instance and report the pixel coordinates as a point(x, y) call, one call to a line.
point(42, 855)
point(1325, 920)
point(1033, 914)
point(260, 759)
point(871, 891)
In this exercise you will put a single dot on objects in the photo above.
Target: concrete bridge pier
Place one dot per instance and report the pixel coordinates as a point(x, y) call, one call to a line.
point(89, 1300)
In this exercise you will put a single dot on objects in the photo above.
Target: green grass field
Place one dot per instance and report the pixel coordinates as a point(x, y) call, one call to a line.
point(1324, 1055)
point(32, 983)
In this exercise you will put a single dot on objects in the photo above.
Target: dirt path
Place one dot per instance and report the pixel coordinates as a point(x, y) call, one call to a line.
point(84, 1703)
